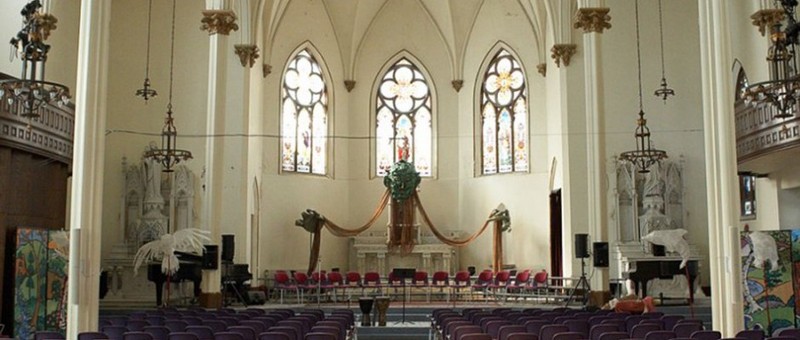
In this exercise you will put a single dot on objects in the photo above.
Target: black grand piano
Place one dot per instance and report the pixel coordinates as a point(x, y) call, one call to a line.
point(640, 271)
point(190, 270)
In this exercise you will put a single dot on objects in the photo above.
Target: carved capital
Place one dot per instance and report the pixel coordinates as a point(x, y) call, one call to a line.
point(562, 53)
point(247, 54)
point(221, 21)
point(457, 84)
point(542, 69)
point(592, 19)
point(266, 69)
point(765, 18)
point(349, 85)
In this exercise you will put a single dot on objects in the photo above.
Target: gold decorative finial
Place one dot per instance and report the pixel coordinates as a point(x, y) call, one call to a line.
point(349, 85)
point(457, 84)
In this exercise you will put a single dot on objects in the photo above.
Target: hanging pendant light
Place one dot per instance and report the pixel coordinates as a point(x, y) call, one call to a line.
point(645, 155)
point(169, 155)
point(664, 91)
point(147, 92)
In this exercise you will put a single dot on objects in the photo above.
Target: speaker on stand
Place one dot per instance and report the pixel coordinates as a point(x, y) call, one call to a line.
point(581, 252)
point(227, 248)
point(600, 250)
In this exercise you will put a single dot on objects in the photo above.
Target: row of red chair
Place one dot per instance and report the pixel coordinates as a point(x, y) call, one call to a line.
point(486, 284)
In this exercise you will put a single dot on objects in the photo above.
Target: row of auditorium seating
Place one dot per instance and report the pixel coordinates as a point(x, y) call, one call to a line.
point(223, 324)
point(486, 284)
point(571, 324)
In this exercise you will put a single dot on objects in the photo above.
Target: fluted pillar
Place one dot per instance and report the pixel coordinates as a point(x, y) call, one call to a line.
point(87, 168)
point(721, 178)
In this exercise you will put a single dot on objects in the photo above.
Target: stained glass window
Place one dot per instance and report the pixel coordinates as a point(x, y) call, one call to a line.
point(504, 117)
point(304, 133)
point(404, 119)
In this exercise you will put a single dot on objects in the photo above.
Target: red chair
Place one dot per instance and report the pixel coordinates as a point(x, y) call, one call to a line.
point(481, 285)
point(335, 283)
point(284, 284)
point(420, 281)
point(373, 279)
point(395, 283)
point(519, 284)
point(302, 283)
point(461, 282)
point(353, 281)
point(500, 284)
point(539, 284)
point(441, 280)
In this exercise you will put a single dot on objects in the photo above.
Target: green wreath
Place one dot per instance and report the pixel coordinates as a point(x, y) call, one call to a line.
point(402, 180)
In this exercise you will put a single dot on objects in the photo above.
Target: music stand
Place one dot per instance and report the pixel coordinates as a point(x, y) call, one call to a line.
point(403, 274)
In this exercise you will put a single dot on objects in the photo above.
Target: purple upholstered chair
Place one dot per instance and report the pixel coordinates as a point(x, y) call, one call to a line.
point(228, 336)
point(707, 335)
point(137, 336)
point(183, 336)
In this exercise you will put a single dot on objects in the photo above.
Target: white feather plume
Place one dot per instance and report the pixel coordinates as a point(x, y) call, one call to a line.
point(189, 240)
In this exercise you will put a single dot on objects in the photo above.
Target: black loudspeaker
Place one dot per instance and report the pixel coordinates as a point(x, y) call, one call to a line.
point(227, 248)
point(210, 255)
point(600, 250)
point(581, 246)
point(255, 297)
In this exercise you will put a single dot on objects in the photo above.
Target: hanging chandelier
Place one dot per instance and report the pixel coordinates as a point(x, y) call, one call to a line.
point(169, 155)
point(31, 91)
point(147, 91)
point(663, 91)
point(782, 89)
point(645, 154)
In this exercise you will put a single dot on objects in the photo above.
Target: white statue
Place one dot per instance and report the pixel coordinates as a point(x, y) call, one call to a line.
point(151, 172)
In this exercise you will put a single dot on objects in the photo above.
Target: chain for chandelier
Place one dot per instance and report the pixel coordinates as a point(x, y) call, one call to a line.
point(644, 155)
point(147, 92)
point(169, 155)
point(663, 91)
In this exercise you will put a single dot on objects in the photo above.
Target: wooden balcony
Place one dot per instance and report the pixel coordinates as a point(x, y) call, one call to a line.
point(763, 142)
point(50, 135)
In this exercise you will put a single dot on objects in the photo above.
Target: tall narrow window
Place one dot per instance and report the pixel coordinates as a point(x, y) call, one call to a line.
point(304, 113)
point(404, 119)
point(504, 116)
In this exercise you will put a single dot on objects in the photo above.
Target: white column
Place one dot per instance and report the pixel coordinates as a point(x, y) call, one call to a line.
point(213, 167)
point(722, 193)
point(594, 151)
point(87, 168)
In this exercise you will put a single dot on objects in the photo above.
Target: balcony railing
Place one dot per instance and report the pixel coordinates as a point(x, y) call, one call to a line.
point(50, 135)
point(759, 133)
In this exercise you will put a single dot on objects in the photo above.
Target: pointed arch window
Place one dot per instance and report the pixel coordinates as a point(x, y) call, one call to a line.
point(504, 116)
point(304, 115)
point(404, 116)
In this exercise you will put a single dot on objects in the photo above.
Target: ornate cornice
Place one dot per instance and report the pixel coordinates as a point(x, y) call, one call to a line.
point(247, 54)
point(266, 69)
point(457, 84)
point(221, 21)
point(765, 18)
point(562, 53)
point(592, 19)
point(542, 69)
point(349, 85)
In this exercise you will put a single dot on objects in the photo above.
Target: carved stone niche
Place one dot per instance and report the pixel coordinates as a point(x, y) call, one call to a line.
point(153, 203)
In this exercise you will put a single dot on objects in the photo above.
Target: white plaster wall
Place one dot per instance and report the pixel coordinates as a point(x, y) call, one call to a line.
point(524, 194)
point(128, 117)
point(677, 125)
point(285, 196)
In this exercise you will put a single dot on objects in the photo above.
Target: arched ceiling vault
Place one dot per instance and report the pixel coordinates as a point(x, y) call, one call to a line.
point(353, 20)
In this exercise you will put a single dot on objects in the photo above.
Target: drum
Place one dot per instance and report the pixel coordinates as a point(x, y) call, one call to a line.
point(382, 303)
point(365, 304)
